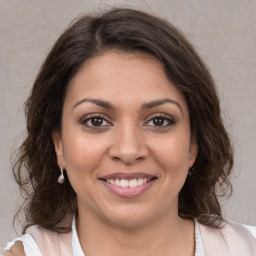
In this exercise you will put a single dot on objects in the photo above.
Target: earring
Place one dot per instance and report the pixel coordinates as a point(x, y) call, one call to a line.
point(61, 178)
point(190, 171)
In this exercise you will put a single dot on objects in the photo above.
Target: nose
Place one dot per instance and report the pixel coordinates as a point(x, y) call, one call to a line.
point(128, 146)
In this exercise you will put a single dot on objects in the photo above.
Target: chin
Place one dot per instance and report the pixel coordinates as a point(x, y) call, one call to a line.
point(128, 222)
point(129, 218)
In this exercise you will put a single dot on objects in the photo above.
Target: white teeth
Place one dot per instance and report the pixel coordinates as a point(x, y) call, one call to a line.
point(133, 183)
point(124, 183)
point(140, 181)
point(128, 183)
point(117, 182)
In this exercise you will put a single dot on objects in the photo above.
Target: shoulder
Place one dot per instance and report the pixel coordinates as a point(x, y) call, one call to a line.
point(30, 246)
point(40, 241)
point(49, 241)
point(233, 230)
point(42, 235)
point(231, 239)
point(252, 229)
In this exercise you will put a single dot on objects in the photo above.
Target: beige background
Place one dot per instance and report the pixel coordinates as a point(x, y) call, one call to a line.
point(224, 33)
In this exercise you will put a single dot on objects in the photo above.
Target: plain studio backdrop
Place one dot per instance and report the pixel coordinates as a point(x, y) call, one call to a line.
point(222, 31)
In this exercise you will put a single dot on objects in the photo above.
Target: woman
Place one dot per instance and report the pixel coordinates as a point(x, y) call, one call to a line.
point(126, 150)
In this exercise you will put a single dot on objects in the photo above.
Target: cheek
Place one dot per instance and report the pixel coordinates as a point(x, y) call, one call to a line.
point(173, 154)
point(174, 149)
point(82, 158)
point(83, 154)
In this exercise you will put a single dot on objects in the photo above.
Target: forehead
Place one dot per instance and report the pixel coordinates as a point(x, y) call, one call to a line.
point(123, 77)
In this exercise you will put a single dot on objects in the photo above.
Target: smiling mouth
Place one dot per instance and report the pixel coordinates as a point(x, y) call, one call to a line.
point(128, 184)
point(128, 180)
point(132, 183)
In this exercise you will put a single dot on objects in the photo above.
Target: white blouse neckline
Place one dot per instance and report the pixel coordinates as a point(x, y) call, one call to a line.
point(31, 248)
point(77, 249)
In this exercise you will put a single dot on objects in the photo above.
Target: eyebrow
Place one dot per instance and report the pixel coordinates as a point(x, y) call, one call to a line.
point(155, 103)
point(101, 103)
point(145, 106)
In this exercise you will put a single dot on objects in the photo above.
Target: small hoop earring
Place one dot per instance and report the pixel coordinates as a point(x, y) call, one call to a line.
point(61, 178)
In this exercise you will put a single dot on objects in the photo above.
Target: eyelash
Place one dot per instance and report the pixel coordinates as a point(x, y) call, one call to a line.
point(85, 120)
point(170, 121)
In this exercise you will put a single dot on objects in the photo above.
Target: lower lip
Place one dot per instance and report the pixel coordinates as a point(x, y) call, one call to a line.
point(128, 192)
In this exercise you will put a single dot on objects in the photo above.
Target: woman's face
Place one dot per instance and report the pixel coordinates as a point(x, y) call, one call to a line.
point(125, 141)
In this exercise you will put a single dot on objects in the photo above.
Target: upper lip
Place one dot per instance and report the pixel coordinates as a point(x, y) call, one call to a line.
point(127, 176)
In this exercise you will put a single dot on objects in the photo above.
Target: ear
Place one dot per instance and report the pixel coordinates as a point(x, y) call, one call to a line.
point(193, 150)
point(57, 141)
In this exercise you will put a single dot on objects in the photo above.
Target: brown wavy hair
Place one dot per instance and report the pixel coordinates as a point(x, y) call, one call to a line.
point(48, 203)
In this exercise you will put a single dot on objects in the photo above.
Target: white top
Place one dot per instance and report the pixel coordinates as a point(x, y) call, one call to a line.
point(77, 250)
point(31, 247)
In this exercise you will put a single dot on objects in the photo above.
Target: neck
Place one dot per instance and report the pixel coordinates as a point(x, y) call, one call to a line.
point(165, 237)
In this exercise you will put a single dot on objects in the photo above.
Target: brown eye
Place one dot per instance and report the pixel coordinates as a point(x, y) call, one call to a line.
point(96, 121)
point(160, 121)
